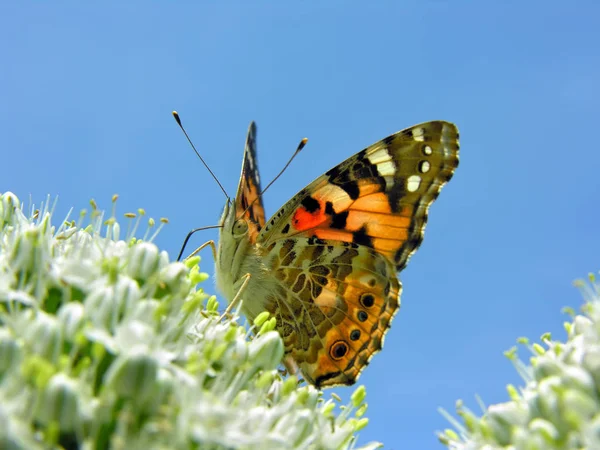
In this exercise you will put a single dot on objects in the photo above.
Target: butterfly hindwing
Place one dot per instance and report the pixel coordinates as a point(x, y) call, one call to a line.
point(333, 307)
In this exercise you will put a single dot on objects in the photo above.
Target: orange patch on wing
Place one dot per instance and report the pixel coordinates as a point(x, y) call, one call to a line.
point(304, 219)
point(373, 202)
point(376, 230)
point(388, 247)
point(356, 219)
point(367, 187)
point(327, 301)
point(335, 235)
point(325, 364)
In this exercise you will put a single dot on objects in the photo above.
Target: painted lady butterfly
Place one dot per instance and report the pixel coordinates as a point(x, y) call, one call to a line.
point(325, 266)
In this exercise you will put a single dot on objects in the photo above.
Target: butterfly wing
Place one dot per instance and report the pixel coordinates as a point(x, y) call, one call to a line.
point(248, 202)
point(379, 197)
point(336, 246)
point(333, 306)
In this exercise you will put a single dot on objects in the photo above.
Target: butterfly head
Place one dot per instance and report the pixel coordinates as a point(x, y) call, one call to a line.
point(232, 246)
point(231, 223)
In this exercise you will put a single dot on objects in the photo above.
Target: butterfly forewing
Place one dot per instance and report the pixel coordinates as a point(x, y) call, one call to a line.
point(248, 202)
point(379, 197)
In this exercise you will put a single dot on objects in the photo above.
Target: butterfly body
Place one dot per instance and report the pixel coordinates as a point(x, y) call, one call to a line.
point(325, 265)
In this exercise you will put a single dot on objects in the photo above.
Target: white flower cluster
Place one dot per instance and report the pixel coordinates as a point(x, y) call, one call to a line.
point(559, 406)
point(104, 343)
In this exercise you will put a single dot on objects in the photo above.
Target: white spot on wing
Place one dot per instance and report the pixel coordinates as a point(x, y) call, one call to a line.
point(413, 182)
point(386, 169)
point(379, 156)
point(425, 166)
point(418, 134)
point(427, 150)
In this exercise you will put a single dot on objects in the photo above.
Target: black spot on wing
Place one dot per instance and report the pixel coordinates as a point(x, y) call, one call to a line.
point(338, 350)
point(288, 259)
point(341, 178)
point(388, 140)
point(396, 194)
point(333, 173)
point(258, 227)
point(329, 209)
point(361, 237)
point(313, 240)
point(338, 221)
point(364, 169)
point(346, 176)
point(367, 300)
point(310, 204)
point(299, 284)
point(317, 252)
point(316, 289)
point(287, 246)
point(351, 188)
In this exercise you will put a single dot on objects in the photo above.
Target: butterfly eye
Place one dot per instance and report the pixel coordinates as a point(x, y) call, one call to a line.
point(240, 227)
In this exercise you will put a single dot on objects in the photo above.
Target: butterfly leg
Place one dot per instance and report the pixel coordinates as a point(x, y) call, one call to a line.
point(291, 368)
point(212, 246)
point(237, 297)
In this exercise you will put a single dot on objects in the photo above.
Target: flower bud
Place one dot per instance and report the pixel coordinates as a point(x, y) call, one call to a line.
point(127, 293)
point(358, 396)
point(175, 278)
point(60, 403)
point(44, 336)
point(100, 304)
point(266, 351)
point(546, 429)
point(71, 317)
point(134, 376)
point(10, 352)
point(9, 205)
point(143, 261)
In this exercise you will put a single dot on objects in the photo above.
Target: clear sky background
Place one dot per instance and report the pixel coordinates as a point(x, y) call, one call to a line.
point(86, 94)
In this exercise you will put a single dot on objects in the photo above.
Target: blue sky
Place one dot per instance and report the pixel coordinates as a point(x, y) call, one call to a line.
point(87, 93)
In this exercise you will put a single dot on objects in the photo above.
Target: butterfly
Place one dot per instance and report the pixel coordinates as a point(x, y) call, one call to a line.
point(325, 265)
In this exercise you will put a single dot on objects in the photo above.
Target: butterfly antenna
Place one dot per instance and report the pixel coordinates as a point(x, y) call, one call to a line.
point(189, 235)
point(298, 149)
point(201, 159)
